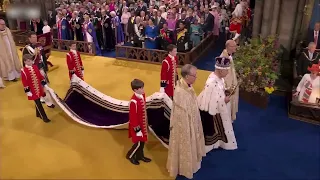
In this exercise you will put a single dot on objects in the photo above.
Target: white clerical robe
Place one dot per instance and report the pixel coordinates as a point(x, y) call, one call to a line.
point(10, 65)
point(1, 83)
point(230, 81)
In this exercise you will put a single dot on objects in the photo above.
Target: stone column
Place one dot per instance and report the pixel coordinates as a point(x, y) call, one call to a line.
point(287, 22)
point(297, 35)
point(267, 18)
point(307, 12)
point(258, 9)
point(275, 17)
point(13, 24)
point(44, 11)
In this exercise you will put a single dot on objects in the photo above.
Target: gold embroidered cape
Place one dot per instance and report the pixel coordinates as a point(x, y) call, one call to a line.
point(187, 146)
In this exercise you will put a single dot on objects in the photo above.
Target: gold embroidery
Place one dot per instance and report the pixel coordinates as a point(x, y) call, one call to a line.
point(144, 116)
point(35, 82)
point(174, 72)
point(77, 63)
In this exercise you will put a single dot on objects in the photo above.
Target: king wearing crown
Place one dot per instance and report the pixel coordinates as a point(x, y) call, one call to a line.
point(215, 111)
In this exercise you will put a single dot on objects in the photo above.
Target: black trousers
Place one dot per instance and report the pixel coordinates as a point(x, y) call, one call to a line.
point(136, 151)
point(39, 110)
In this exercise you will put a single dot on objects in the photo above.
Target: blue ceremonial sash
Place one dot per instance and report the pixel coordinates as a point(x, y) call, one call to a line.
point(65, 35)
point(92, 32)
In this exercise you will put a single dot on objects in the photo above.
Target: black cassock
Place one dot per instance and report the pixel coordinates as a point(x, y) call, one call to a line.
point(76, 30)
point(137, 41)
point(305, 61)
point(39, 26)
point(109, 40)
point(97, 26)
point(130, 28)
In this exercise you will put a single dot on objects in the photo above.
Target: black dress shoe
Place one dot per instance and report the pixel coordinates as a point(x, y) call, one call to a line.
point(145, 159)
point(133, 161)
point(47, 120)
point(14, 80)
point(52, 106)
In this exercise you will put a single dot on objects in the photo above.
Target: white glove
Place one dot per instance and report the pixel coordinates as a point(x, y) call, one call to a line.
point(162, 90)
point(227, 28)
point(83, 73)
point(139, 134)
point(29, 94)
point(46, 87)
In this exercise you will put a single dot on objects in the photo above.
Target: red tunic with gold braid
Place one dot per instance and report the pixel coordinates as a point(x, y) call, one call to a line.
point(75, 65)
point(235, 25)
point(169, 75)
point(33, 82)
point(138, 118)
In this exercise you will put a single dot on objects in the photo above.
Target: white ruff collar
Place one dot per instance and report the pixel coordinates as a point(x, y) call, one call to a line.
point(172, 57)
point(139, 95)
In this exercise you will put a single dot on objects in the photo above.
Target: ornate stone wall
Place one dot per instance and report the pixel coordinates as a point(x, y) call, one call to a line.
point(287, 18)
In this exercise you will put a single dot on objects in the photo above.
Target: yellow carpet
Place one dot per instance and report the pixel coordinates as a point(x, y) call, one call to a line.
point(31, 149)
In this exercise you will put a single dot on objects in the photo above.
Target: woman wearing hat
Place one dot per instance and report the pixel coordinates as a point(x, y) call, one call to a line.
point(308, 90)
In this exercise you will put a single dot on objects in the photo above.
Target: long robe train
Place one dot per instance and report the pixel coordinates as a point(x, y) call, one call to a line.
point(89, 107)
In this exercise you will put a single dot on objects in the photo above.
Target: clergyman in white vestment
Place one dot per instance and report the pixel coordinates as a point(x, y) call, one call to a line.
point(10, 65)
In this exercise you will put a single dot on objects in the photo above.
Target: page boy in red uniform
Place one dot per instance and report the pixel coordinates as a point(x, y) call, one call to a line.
point(74, 62)
point(34, 84)
point(169, 75)
point(138, 125)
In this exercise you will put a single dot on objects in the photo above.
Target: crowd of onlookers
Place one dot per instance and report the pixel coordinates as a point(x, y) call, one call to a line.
point(143, 23)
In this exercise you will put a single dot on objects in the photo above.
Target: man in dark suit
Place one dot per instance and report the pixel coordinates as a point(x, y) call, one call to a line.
point(159, 21)
point(131, 23)
point(306, 59)
point(121, 6)
point(140, 8)
point(314, 35)
point(184, 20)
point(51, 18)
point(208, 21)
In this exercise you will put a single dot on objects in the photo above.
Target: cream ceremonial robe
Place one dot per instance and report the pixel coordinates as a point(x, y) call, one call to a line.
point(10, 66)
point(186, 147)
point(1, 83)
point(231, 80)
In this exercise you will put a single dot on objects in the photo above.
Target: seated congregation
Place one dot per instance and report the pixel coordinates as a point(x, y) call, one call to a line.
point(305, 104)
